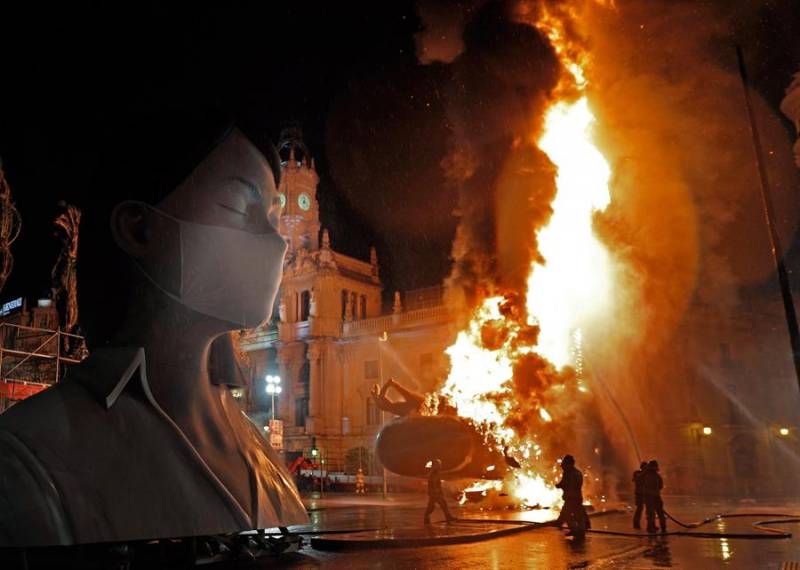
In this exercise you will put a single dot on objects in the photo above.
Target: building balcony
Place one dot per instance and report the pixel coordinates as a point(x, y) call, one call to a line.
point(405, 320)
point(259, 339)
point(289, 332)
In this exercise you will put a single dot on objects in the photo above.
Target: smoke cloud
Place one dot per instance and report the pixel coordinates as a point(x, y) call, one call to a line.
point(684, 226)
point(442, 27)
point(498, 89)
point(685, 220)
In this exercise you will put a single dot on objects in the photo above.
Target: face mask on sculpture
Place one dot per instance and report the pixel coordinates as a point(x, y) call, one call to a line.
point(225, 273)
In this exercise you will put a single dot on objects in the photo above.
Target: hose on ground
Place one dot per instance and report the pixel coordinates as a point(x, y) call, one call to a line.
point(763, 526)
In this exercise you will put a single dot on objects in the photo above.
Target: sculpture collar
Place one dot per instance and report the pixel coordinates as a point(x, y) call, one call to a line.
point(107, 371)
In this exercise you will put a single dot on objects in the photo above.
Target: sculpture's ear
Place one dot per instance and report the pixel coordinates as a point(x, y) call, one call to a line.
point(131, 227)
point(152, 239)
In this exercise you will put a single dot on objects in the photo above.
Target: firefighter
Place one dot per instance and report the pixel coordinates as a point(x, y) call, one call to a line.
point(639, 494)
point(435, 496)
point(573, 513)
point(652, 483)
point(360, 481)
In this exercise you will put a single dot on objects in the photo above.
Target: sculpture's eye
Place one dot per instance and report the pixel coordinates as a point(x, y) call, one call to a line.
point(240, 196)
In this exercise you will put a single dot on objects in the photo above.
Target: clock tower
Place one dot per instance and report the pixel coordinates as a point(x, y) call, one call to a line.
point(299, 223)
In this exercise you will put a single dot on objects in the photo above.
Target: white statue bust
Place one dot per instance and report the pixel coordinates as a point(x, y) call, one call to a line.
point(138, 443)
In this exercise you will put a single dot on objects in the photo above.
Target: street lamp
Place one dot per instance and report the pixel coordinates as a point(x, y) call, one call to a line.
point(707, 430)
point(273, 387)
point(381, 339)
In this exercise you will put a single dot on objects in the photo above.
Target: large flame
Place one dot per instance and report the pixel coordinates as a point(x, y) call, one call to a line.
point(565, 293)
point(574, 285)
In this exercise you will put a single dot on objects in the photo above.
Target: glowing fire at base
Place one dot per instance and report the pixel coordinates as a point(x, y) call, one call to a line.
point(565, 294)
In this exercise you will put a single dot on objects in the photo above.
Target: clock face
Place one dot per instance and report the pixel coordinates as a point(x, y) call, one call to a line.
point(304, 201)
point(282, 197)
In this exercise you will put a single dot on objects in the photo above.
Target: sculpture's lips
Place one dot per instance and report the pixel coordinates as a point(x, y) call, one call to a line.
point(406, 445)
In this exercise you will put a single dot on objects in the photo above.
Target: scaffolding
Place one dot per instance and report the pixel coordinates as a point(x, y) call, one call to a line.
point(33, 359)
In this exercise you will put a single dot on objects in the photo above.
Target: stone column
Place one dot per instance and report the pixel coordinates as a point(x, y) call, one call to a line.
point(315, 389)
point(345, 356)
point(287, 370)
point(397, 308)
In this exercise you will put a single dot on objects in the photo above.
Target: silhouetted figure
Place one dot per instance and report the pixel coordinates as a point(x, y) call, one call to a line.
point(435, 496)
point(652, 483)
point(411, 402)
point(638, 494)
point(360, 481)
point(572, 513)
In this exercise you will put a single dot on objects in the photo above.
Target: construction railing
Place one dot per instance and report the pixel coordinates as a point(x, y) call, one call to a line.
point(31, 359)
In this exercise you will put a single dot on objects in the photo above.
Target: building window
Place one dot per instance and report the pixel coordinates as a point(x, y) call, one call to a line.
point(305, 374)
point(373, 413)
point(363, 307)
point(345, 294)
point(353, 305)
point(371, 370)
point(305, 305)
point(300, 411)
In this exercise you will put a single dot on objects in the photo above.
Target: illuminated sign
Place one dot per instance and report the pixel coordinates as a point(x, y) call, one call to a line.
point(10, 306)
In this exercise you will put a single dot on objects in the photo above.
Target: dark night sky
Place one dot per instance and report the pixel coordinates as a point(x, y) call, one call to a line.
point(349, 75)
point(65, 76)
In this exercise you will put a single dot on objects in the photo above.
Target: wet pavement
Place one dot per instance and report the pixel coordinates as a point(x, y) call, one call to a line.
point(543, 547)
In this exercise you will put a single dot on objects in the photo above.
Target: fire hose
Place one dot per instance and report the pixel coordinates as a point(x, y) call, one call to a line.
point(763, 526)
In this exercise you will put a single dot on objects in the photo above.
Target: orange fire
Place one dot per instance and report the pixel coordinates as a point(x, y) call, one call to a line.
point(566, 294)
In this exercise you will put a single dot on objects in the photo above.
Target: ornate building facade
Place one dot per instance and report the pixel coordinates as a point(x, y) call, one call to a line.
point(330, 342)
point(718, 405)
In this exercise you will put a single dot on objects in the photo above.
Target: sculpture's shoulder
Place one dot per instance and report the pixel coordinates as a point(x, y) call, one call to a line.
point(78, 407)
point(31, 509)
point(43, 414)
point(32, 506)
point(107, 457)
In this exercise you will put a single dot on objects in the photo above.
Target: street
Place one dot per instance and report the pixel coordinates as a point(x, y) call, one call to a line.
point(400, 517)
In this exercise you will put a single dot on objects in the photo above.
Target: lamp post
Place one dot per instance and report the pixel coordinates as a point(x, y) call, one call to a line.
point(381, 339)
point(317, 453)
point(273, 387)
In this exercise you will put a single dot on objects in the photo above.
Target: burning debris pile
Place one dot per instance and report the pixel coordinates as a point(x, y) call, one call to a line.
point(516, 368)
point(604, 171)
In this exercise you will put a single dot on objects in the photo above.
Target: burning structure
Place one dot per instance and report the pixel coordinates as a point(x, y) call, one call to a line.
point(607, 249)
point(519, 359)
point(610, 257)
